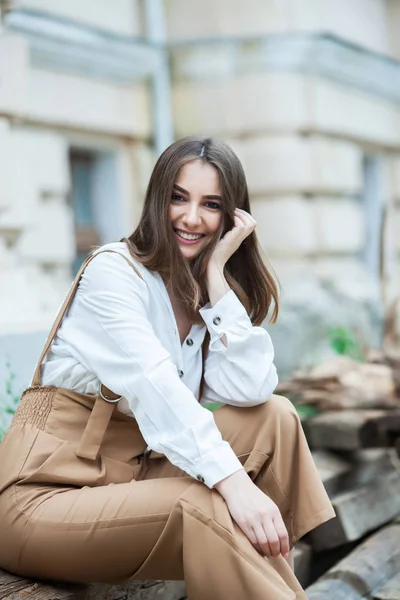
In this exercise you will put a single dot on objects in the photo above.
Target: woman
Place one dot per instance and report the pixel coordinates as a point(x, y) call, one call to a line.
point(112, 470)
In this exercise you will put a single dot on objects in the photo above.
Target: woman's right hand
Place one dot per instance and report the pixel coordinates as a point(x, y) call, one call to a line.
point(256, 514)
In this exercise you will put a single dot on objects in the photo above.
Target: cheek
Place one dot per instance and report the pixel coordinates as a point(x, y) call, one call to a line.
point(215, 222)
point(173, 212)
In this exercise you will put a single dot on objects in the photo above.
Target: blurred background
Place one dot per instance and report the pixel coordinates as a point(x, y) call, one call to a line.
point(306, 91)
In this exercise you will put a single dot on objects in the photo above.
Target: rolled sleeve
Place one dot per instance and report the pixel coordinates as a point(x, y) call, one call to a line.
point(227, 312)
point(239, 371)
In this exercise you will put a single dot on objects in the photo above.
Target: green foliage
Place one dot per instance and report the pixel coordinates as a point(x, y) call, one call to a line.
point(8, 401)
point(344, 341)
point(306, 411)
point(213, 405)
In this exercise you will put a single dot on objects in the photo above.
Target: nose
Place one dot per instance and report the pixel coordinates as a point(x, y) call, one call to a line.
point(191, 217)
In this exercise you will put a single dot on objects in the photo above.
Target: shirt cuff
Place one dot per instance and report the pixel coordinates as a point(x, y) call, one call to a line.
point(216, 465)
point(223, 314)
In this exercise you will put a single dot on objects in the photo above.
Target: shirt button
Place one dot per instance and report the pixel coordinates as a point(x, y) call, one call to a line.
point(189, 342)
point(180, 373)
point(217, 320)
point(200, 478)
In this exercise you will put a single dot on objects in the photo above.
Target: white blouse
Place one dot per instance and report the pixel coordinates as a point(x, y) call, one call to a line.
point(121, 330)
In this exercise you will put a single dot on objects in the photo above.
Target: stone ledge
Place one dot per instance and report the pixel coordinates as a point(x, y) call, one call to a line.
point(322, 55)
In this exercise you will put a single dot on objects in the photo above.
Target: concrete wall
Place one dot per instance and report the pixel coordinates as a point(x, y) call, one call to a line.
point(359, 21)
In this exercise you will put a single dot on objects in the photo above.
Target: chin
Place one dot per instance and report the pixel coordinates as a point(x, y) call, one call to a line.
point(190, 255)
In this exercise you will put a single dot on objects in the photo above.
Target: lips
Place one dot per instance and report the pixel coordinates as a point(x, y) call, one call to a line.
point(187, 236)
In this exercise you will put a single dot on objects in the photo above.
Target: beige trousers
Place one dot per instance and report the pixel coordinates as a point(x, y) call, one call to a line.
point(81, 501)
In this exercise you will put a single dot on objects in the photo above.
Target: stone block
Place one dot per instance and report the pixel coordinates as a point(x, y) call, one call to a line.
point(351, 113)
point(340, 225)
point(294, 164)
point(77, 102)
point(360, 21)
point(14, 74)
point(245, 104)
point(44, 156)
point(49, 237)
point(285, 226)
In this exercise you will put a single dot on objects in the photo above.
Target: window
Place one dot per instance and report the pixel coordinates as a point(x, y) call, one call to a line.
point(97, 201)
point(87, 235)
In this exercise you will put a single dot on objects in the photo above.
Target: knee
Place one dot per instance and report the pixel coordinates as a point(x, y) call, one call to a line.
point(282, 409)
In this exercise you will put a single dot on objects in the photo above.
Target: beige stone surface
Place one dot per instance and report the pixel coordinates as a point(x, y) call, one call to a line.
point(288, 164)
point(395, 226)
point(393, 22)
point(118, 16)
point(394, 178)
point(285, 226)
point(362, 21)
point(246, 104)
point(340, 225)
point(37, 171)
point(350, 113)
point(59, 99)
point(14, 74)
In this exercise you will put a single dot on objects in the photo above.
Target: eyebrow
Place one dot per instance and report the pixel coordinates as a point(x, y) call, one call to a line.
point(209, 196)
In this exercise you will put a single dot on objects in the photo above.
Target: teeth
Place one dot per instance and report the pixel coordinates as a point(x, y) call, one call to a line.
point(189, 236)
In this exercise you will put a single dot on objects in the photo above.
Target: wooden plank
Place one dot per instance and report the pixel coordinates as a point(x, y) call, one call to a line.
point(353, 429)
point(302, 562)
point(359, 511)
point(332, 590)
point(138, 590)
point(390, 590)
point(366, 569)
point(13, 587)
point(340, 472)
point(332, 469)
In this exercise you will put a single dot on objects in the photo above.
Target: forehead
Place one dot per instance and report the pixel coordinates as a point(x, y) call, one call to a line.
point(199, 175)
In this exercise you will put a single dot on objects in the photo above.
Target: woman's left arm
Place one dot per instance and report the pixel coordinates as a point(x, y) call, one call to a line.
point(239, 368)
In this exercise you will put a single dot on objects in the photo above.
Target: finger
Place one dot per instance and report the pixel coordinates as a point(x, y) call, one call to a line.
point(247, 226)
point(273, 538)
point(239, 223)
point(262, 540)
point(246, 218)
point(282, 534)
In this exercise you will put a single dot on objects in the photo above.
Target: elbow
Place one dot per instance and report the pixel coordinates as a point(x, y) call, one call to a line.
point(262, 392)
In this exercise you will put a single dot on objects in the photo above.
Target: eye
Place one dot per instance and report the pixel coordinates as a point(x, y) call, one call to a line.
point(213, 205)
point(177, 198)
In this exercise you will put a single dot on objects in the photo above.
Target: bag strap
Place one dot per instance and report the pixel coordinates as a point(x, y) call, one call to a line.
point(64, 309)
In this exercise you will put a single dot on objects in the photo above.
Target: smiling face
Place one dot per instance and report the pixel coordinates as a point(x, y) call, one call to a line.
point(196, 207)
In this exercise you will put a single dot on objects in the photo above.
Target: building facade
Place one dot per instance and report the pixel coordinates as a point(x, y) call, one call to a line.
point(306, 91)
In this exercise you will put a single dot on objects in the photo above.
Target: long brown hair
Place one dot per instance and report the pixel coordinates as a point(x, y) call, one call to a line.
point(154, 245)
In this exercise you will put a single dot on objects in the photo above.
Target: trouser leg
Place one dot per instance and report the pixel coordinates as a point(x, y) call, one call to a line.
point(156, 529)
point(270, 442)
